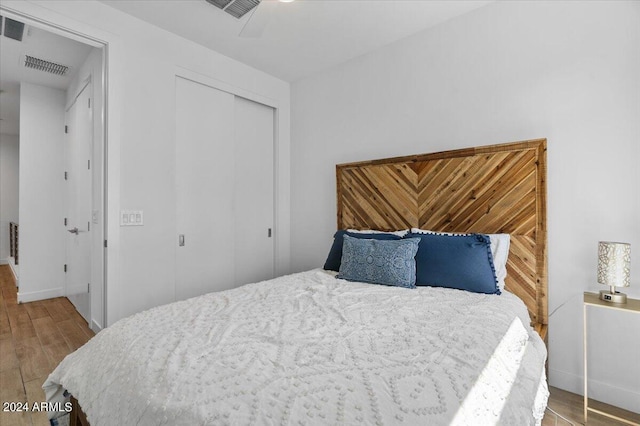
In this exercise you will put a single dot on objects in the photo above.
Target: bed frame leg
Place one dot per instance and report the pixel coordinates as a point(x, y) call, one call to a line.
point(77, 416)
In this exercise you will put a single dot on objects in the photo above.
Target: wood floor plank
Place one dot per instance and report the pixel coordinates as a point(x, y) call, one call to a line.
point(4, 279)
point(15, 419)
point(33, 361)
point(72, 333)
point(79, 319)
point(34, 391)
point(21, 326)
point(552, 420)
point(570, 406)
point(56, 311)
point(83, 325)
point(8, 358)
point(75, 315)
point(10, 296)
point(35, 394)
point(56, 352)
point(15, 311)
point(17, 314)
point(36, 310)
point(39, 419)
point(66, 304)
point(5, 327)
point(23, 331)
point(47, 331)
point(12, 388)
point(635, 417)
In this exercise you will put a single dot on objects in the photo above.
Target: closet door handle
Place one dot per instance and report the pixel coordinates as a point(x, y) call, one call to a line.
point(181, 240)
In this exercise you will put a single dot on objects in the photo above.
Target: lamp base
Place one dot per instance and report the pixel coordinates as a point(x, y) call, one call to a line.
point(616, 297)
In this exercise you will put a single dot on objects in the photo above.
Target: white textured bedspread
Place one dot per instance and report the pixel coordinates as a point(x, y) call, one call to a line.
point(310, 349)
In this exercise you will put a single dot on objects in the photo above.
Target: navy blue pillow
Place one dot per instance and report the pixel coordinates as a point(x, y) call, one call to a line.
point(379, 262)
point(335, 254)
point(456, 261)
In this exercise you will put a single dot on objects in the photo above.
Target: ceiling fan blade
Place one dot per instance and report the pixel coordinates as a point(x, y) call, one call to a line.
point(259, 19)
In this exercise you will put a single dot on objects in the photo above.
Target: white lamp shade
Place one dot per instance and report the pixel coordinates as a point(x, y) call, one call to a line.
point(614, 264)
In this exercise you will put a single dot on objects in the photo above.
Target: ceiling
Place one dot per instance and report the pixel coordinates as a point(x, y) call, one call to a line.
point(41, 44)
point(302, 37)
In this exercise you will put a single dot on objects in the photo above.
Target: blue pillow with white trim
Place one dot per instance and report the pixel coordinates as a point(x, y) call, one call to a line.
point(385, 262)
point(463, 262)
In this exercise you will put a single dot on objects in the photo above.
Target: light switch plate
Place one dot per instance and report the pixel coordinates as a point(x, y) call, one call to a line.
point(131, 218)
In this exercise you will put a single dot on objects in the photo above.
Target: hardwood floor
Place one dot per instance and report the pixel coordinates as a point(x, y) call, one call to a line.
point(36, 336)
point(570, 406)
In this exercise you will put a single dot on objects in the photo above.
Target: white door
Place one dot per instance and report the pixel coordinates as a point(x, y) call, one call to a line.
point(254, 182)
point(204, 189)
point(78, 200)
point(224, 190)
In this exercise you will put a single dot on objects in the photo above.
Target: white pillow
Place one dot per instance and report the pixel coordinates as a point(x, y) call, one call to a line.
point(499, 250)
point(373, 231)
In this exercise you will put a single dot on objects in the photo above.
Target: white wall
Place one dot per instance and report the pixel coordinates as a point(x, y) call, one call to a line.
point(142, 64)
point(41, 192)
point(510, 71)
point(9, 157)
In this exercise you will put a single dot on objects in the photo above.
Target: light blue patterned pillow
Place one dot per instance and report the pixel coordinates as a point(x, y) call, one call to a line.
point(389, 262)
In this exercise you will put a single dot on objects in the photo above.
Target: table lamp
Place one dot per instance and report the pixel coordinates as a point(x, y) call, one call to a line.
point(614, 265)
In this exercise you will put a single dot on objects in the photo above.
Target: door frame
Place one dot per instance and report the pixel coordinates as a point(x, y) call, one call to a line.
point(43, 18)
point(278, 263)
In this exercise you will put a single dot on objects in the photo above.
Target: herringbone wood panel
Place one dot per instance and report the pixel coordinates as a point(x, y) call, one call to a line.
point(491, 190)
point(380, 197)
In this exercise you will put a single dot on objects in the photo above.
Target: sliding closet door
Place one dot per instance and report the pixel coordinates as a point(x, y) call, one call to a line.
point(254, 180)
point(205, 170)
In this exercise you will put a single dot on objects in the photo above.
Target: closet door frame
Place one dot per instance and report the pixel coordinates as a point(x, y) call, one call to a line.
point(280, 264)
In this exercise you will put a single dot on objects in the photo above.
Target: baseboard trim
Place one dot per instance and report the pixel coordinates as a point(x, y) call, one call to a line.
point(4, 261)
point(33, 296)
point(600, 391)
point(95, 326)
point(14, 270)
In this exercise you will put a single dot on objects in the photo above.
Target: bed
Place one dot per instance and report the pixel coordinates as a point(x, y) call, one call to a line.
point(312, 348)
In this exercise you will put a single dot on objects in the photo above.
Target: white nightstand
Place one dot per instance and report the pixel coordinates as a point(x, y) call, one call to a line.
point(593, 299)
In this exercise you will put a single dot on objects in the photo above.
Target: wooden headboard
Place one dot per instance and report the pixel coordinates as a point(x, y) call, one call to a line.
point(489, 189)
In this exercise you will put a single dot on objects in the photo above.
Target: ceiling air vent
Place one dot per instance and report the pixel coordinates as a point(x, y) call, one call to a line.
point(13, 29)
point(220, 3)
point(46, 66)
point(235, 8)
